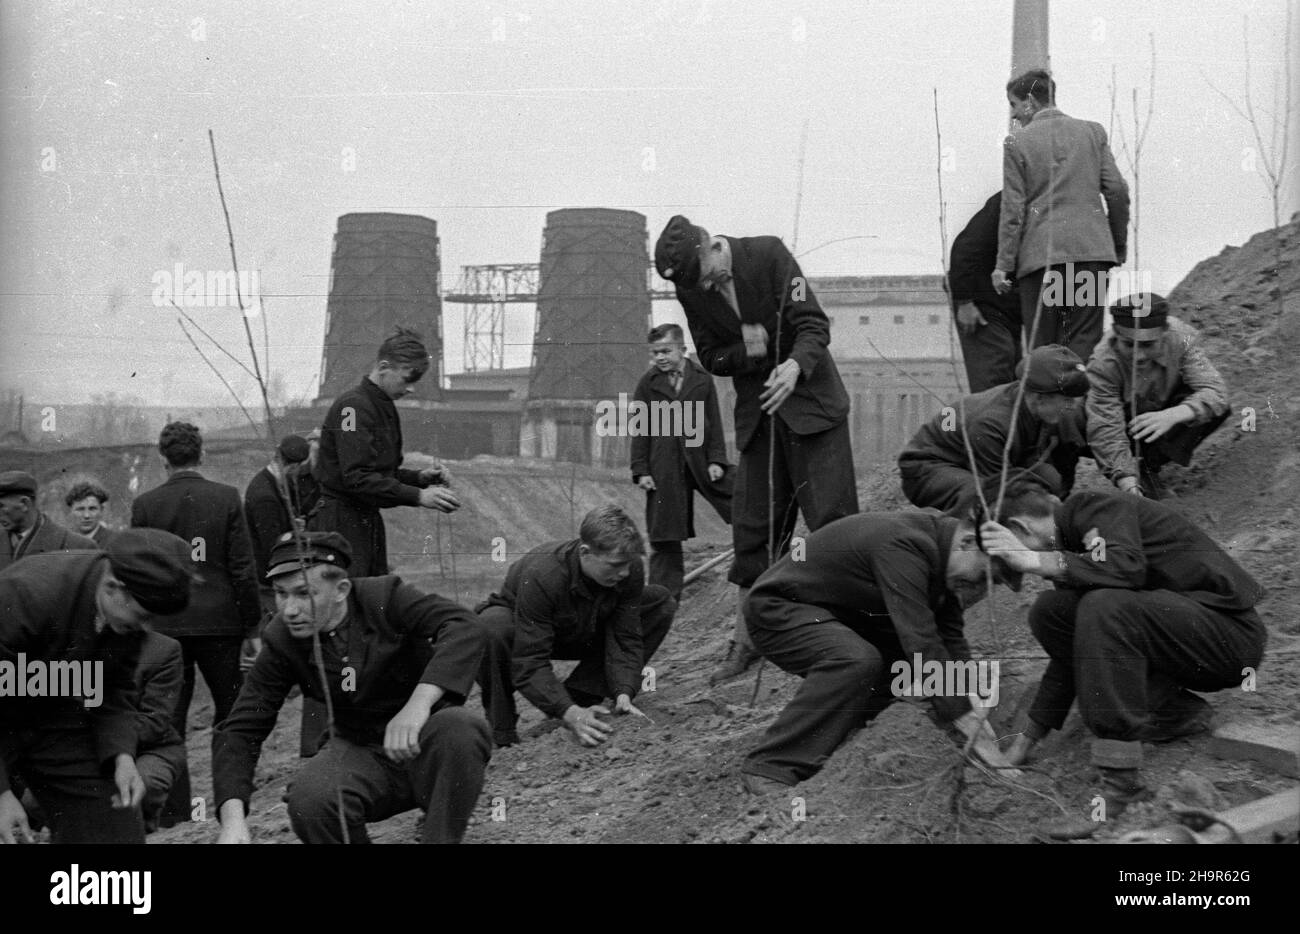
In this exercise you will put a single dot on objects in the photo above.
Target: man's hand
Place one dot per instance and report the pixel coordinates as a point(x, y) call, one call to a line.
point(623, 705)
point(755, 339)
point(1152, 426)
point(1129, 485)
point(1001, 282)
point(402, 735)
point(440, 498)
point(13, 818)
point(716, 472)
point(234, 829)
point(985, 745)
point(1021, 746)
point(646, 483)
point(1001, 542)
point(437, 475)
point(779, 385)
point(130, 786)
point(969, 318)
point(249, 649)
point(584, 724)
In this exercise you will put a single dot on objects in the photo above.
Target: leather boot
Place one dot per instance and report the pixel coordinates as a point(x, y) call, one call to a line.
point(741, 654)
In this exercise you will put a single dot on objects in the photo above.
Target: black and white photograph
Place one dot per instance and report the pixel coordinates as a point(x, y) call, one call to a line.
point(664, 422)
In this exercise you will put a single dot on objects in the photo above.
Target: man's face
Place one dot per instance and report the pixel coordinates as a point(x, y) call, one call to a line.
point(1144, 350)
point(16, 511)
point(713, 264)
point(1022, 108)
point(87, 513)
point(398, 381)
point(967, 569)
point(668, 354)
point(308, 606)
point(606, 569)
point(1051, 407)
point(119, 609)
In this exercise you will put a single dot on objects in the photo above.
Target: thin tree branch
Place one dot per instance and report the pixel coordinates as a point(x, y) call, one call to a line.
point(229, 389)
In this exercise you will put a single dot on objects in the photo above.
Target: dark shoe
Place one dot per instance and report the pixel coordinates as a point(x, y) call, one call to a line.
point(1185, 715)
point(762, 786)
point(739, 659)
point(1150, 484)
point(502, 740)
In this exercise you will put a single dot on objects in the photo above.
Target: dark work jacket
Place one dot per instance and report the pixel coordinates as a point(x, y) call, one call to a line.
point(974, 257)
point(670, 507)
point(158, 680)
point(985, 418)
point(45, 537)
point(764, 271)
point(1147, 546)
point(223, 599)
point(47, 612)
point(397, 637)
point(360, 457)
point(268, 519)
point(554, 603)
point(882, 571)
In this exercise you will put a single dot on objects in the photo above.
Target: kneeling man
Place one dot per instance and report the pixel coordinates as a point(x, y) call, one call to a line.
point(1146, 607)
point(870, 590)
point(398, 663)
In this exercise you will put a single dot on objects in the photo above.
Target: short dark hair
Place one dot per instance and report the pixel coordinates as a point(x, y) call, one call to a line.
point(670, 332)
point(609, 529)
point(1036, 83)
point(1024, 497)
point(405, 347)
point(83, 489)
point(180, 444)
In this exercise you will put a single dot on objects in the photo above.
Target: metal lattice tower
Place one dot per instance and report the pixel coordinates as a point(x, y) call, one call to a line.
point(486, 290)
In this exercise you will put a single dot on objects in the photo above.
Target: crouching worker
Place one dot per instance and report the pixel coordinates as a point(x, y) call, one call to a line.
point(870, 590)
point(398, 663)
point(583, 599)
point(85, 612)
point(1146, 607)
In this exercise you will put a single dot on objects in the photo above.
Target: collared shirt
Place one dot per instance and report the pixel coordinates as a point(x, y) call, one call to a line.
point(726, 285)
point(1180, 373)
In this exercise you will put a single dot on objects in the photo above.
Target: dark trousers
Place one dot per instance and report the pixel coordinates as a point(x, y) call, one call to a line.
point(846, 682)
point(1125, 654)
point(1177, 445)
point(444, 779)
point(586, 685)
point(667, 567)
point(812, 473)
point(60, 768)
point(217, 657)
point(992, 352)
point(1062, 320)
point(938, 485)
point(159, 774)
point(362, 526)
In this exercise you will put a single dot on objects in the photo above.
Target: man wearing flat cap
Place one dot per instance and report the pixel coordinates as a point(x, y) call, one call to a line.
point(82, 612)
point(269, 515)
point(1047, 435)
point(24, 528)
point(1177, 401)
point(398, 663)
point(753, 317)
point(872, 592)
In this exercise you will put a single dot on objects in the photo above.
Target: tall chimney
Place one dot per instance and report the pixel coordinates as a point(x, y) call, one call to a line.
point(1029, 37)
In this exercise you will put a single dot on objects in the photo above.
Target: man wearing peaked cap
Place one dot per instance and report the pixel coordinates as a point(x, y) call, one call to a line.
point(398, 664)
point(76, 752)
point(24, 528)
point(1179, 400)
point(1048, 434)
point(754, 317)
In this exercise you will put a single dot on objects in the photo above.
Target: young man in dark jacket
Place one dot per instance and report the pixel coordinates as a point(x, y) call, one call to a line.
point(359, 462)
point(225, 610)
point(754, 317)
point(84, 611)
point(988, 324)
point(398, 664)
point(583, 599)
point(1147, 608)
point(692, 457)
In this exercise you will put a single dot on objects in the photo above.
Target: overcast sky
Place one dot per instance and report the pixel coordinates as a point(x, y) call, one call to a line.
point(484, 116)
